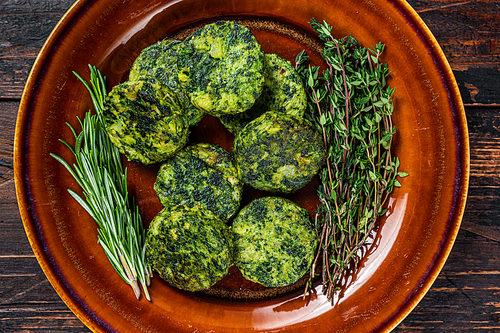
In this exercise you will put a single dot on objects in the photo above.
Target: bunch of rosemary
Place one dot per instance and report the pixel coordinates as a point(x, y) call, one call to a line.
point(100, 174)
point(351, 105)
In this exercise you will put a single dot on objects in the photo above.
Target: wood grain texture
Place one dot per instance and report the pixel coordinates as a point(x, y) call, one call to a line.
point(466, 295)
point(24, 27)
point(8, 114)
point(468, 31)
point(469, 34)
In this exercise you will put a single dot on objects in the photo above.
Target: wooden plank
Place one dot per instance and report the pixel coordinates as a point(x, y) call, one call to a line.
point(14, 240)
point(468, 32)
point(483, 201)
point(465, 296)
point(8, 116)
point(31, 305)
point(479, 86)
point(25, 25)
point(27, 300)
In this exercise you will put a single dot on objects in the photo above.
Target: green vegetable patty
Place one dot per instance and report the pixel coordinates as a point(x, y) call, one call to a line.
point(202, 175)
point(274, 241)
point(283, 92)
point(221, 68)
point(278, 152)
point(160, 61)
point(189, 248)
point(144, 120)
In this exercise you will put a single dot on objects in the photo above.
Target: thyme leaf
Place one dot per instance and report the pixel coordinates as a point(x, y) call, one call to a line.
point(100, 174)
point(350, 103)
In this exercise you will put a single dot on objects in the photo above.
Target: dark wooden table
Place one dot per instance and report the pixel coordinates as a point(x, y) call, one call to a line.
point(465, 296)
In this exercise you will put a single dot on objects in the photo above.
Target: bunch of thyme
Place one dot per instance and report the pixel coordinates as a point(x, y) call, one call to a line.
point(100, 174)
point(351, 105)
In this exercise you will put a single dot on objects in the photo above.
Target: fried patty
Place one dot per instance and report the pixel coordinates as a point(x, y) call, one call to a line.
point(145, 121)
point(274, 241)
point(278, 152)
point(160, 61)
point(202, 175)
point(283, 92)
point(221, 68)
point(190, 248)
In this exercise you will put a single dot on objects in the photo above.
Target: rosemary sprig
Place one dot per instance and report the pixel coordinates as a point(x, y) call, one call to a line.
point(351, 105)
point(100, 174)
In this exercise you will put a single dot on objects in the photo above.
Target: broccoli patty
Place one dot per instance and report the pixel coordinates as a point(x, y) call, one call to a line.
point(160, 61)
point(278, 152)
point(283, 92)
point(221, 68)
point(145, 121)
point(274, 241)
point(190, 248)
point(202, 175)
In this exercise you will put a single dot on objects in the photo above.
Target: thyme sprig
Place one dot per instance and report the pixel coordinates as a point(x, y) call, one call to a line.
point(100, 174)
point(351, 105)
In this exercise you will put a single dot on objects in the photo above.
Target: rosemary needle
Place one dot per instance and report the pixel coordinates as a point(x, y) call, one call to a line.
point(351, 105)
point(100, 174)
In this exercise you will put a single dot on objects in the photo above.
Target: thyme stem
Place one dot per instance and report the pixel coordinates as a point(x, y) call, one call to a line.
point(351, 105)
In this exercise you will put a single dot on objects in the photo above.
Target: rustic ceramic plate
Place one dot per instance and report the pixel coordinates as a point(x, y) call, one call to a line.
point(408, 249)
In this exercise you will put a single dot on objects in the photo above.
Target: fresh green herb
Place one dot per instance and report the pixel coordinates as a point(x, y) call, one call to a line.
point(351, 105)
point(100, 174)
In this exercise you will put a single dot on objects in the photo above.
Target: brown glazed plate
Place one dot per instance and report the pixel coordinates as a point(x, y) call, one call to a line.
point(408, 249)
